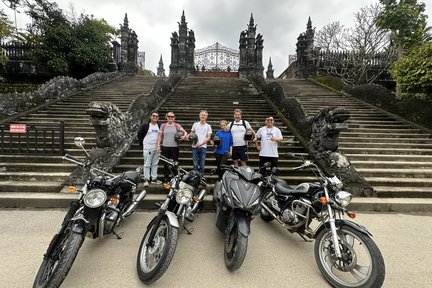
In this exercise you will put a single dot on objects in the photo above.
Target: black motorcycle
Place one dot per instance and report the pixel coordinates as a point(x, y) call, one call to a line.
point(237, 198)
point(103, 202)
point(186, 193)
point(344, 251)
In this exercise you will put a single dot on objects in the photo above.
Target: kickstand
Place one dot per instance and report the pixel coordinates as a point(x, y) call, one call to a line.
point(118, 235)
point(306, 240)
point(188, 231)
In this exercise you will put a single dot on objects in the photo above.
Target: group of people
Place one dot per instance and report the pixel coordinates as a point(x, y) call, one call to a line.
point(230, 142)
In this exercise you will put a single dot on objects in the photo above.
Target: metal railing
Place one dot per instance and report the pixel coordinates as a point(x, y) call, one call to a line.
point(42, 138)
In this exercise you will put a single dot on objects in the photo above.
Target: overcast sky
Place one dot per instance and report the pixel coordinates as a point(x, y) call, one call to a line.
point(279, 21)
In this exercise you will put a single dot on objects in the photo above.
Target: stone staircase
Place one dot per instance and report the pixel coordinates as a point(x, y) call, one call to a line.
point(393, 156)
point(219, 96)
point(26, 175)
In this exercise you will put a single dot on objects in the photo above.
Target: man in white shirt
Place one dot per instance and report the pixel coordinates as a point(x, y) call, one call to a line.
point(199, 149)
point(148, 136)
point(238, 129)
point(270, 137)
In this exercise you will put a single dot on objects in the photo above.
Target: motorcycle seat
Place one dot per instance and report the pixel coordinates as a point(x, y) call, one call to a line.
point(282, 187)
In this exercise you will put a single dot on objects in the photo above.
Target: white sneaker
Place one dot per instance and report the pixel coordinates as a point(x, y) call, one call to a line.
point(146, 184)
point(156, 182)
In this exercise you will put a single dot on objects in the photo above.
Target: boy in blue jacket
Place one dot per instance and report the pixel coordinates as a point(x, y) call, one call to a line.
point(224, 147)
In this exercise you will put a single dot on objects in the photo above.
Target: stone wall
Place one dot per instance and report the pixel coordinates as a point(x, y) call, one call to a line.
point(61, 86)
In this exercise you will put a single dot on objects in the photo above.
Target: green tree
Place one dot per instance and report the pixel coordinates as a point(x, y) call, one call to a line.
point(51, 35)
point(90, 50)
point(414, 71)
point(6, 30)
point(407, 22)
point(75, 47)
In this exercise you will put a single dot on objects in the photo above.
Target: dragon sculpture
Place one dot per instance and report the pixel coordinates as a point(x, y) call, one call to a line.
point(320, 133)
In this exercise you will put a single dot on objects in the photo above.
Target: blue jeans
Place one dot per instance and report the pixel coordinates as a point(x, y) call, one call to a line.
point(199, 155)
point(151, 159)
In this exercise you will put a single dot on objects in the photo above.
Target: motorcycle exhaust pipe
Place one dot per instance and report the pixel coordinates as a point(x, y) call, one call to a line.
point(198, 200)
point(272, 214)
point(135, 202)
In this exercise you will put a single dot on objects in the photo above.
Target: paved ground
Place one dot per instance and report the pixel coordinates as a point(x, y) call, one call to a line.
point(275, 257)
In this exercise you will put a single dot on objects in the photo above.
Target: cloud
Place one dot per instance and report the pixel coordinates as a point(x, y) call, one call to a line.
point(279, 21)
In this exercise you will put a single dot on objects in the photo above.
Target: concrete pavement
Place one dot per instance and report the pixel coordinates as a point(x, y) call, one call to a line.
point(275, 258)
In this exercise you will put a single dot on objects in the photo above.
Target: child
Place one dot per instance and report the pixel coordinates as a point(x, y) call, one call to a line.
point(225, 146)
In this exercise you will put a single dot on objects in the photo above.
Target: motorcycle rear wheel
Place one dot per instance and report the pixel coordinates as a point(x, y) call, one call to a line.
point(153, 261)
point(56, 266)
point(361, 265)
point(235, 248)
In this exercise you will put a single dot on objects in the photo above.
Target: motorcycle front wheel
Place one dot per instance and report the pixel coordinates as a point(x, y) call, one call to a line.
point(361, 264)
point(56, 266)
point(154, 260)
point(235, 247)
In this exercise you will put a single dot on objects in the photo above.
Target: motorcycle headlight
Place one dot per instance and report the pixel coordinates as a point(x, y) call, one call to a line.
point(95, 198)
point(184, 195)
point(343, 198)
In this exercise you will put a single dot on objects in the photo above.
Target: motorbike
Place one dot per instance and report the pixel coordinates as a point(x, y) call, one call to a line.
point(186, 193)
point(102, 203)
point(344, 251)
point(237, 198)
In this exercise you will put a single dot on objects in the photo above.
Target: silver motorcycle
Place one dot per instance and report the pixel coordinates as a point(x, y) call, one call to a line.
point(186, 193)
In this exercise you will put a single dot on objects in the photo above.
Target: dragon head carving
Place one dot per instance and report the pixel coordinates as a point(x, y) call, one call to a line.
point(326, 127)
point(109, 123)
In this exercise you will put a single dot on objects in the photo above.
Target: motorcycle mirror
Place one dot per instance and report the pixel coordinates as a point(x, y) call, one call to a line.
point(79, 141)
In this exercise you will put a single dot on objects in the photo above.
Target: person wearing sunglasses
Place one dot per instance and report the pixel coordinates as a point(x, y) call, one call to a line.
point(148, 136)
point(269, 137)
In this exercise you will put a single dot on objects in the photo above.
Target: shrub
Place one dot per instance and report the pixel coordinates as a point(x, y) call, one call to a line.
point(374, 94)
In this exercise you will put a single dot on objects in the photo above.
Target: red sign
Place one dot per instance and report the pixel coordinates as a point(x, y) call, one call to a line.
point(18, 128)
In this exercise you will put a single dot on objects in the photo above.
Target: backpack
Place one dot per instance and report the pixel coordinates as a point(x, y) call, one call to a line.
point(243, 122)
point(176, 125)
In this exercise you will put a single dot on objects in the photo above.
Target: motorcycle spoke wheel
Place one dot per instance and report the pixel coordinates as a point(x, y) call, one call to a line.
point(153, 260)
point(56, 266)
point(361, 264)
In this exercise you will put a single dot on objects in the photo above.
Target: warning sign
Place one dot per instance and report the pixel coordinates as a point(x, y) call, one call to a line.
point(18, 128)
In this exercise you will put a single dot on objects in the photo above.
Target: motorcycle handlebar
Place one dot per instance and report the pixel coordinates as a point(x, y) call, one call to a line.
point(175, 164)
point(73, 159)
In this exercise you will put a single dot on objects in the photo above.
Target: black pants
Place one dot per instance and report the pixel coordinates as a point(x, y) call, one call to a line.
point(262, 159)
point(170, 153)
point(221, 159)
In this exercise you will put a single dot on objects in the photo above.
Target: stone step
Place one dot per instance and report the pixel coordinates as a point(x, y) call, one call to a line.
point(29, 176)
point(31, 186)
point(46, 167)
point(391, 164)
point(345, 139)
point(358, 134)
point(423, 173)
point(388, 157)
point(399, 182)
point(346, 144)
point(403, 192)
point(350, 150)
